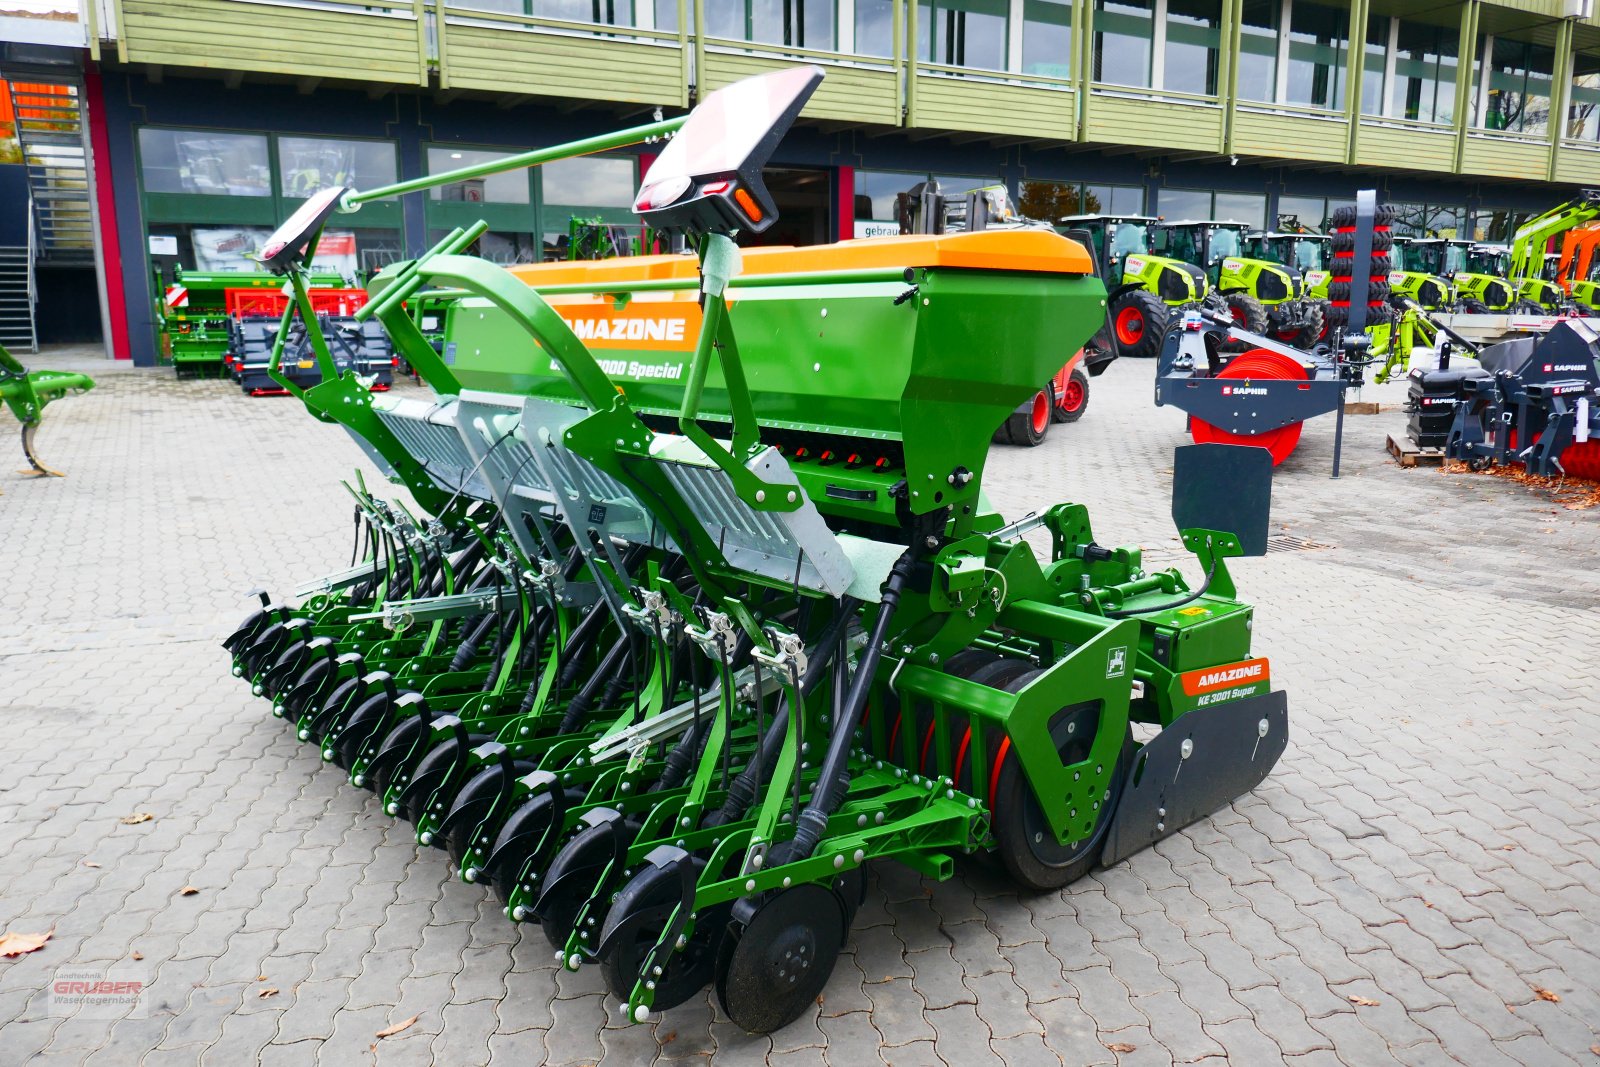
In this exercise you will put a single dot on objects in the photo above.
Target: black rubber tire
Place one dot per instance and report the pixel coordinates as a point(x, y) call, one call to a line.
point(1027, 429)
point(1145, 309)
point(1315, 319)
point(1248, 312)
point(687, 971)
point(1070, 407)
point(1472, 306)
point(1022, 843)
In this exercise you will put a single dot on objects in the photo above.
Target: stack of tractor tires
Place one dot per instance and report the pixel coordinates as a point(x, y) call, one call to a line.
point(1344, 246)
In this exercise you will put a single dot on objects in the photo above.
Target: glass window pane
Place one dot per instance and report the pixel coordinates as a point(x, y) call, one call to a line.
point(1241, 207)
point(875, 27)
point(1308, 211)
point(1126, 199)
point(306, 164)
point(590, 181)
point(965, 33)
point(1047, 201)
point(1258, 50)
point(1179, 204)
point(1192, 40)
point(608, 12)
point(1122, 38)
point(1520, 76)
point(1047, 38)
point(1425, 73)
point(876, 190)
point(726, 18)
point(199, 161)
point(1583, 114)
point(1317, 38)
point(1372, 67)
point(797, 23)
point(508, 188)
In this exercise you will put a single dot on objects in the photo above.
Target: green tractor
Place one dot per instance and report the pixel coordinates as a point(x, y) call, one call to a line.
point(1293, 246)
point(1481, 283)
point(1263, 295)
point(1424, 266)
point(1143, 289)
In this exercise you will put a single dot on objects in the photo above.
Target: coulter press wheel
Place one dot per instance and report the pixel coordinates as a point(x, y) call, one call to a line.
point(635, 922)
point(1256, 363)
point(773, 966)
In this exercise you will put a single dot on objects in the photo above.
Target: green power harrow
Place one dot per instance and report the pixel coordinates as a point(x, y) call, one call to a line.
point(26, 392)
point(700, 608)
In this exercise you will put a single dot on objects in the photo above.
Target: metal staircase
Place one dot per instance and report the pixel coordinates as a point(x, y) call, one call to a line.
point(53, 138)
point(17, 295)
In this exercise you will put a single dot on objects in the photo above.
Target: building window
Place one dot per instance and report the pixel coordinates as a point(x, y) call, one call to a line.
point(1423, 83)
point(874, 28)
point(306, 164)
point(1311, 212)
point(964, 33)
point(1051, 201)
point(1192, 29)
point(605, 12)
point(877, 190)
point(1204, 205)
point(589, 182)
point(1123, 41)
point(1583, 114)
point(510, 187)
point(1258, 49)
point(1047, 38)
point(201, 161)
point(1428, 220)
point(1318, 39)
point(1516, 89)
point(792, 23)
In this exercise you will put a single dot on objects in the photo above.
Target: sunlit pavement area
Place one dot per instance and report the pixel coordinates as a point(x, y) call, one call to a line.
point(1418, 881)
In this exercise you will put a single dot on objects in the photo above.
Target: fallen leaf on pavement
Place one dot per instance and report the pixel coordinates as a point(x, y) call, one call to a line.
point(1595, 1049)
point(1122, 1046)
point(136, 955)
point(1365, 1002)
point(188, 891)
point(90, 863)
point(1508, 848)
point(270, 991)
point(17, 944)
point(1545, 994)
point(136, 818)
point(403, 1024)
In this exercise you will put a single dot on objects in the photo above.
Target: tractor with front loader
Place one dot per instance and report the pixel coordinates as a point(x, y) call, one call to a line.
point(1529, 270)
point(697, 606)
point(1576, 266)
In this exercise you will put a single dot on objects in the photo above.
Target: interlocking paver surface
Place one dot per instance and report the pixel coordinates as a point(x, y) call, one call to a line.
point(1430, 841)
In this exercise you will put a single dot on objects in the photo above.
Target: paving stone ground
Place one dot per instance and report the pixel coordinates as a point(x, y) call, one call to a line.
point(1428, 844)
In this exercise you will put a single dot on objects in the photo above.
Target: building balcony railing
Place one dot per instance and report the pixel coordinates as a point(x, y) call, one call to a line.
point(478, 45)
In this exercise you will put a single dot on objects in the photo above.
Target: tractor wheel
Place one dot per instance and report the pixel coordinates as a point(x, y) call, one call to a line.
point(1247, 312)
point(1315, 328)
point(1139, 321)
point(1027, 428)
point(1256, 363)
point(1074, 399)
point(1024, 842)
point(1473, 306)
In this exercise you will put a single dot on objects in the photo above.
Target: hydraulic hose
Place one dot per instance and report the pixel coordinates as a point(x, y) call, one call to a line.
point(609, 669)
point(832, 781)
point(742, 790)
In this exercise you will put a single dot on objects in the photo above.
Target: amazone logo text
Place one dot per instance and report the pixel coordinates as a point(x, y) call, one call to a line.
point(1248, 673)
point(629, 329)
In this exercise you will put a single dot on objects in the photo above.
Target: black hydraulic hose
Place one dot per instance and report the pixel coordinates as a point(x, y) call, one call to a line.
point(830, 646)
point(578, 644)
point(1124, 613)
point(541, 628)
point(833, 778)
point(608, 670)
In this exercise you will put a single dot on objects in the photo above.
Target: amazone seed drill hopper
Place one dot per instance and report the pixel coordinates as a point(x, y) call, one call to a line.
point(705, 608)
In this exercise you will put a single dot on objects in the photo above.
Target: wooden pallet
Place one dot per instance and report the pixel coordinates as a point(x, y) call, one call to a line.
point(1407, 454)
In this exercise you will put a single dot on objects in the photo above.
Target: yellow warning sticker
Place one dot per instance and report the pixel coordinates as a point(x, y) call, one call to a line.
point(1195, 611)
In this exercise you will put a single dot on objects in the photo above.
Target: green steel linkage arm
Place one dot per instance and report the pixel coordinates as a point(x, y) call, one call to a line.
point(275, 364)
point(584, 147)
point(528, 310)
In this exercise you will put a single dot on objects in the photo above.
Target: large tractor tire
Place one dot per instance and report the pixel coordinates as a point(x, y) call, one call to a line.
point(1315, 328)
point(1248, 312)
point(1139, 320)
point(1074, 399)
point(1474, 306)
